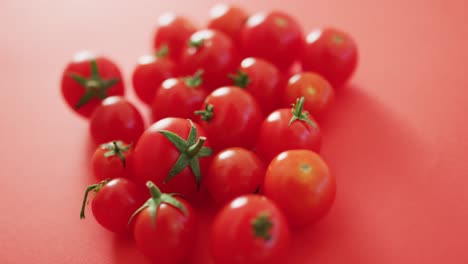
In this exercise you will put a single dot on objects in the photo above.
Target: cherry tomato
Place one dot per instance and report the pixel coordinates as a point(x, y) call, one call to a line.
point(172, 154)
point(262, 80)
point(304, 174)
point(317, 92)
point(213, 52)
point(332, 53)
point(250, 229)
point(87, 80)
point(274, 36)
point(114, 203)
point(231, 117)
point(116, 119)
point(179, 97)
point(173, 31)
point(165, 228)
point(234, 172)
point(286, 129)
point(111, 160)
point(150, 72)
point(229, 19)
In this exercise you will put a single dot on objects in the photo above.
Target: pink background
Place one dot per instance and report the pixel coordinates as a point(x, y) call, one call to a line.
point(396, 139)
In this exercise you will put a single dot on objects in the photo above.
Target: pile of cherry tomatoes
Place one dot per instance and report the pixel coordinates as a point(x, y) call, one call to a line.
point(235, 106)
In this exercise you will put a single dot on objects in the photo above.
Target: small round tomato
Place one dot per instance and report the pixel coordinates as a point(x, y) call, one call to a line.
point(332, 53)
point(179, 97)
point(229, 19)
point(150, 72)
point(111, 160)
point(213, 52)
point(274, 36)
point(234, 172)
point(173, 32)
point(116, 119)
point(304, 174)
point(231, 117)
point(87, 80)
point(317, 92)
point(250, 229)
point(286, 129)
point(262, 80)
point(114, 203)
point(172, 153)
point(165, 228)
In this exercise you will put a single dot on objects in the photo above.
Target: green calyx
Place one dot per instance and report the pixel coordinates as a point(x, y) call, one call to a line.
point(240, 79)
point(191, 150)
point(158, 198)
point(262, 226)
point(206, 114)
point(196, 43)
point(116, 148)
point(162, 52)
point(299, 114)
point(195, 80)
point(95, 86)
point(95, 188)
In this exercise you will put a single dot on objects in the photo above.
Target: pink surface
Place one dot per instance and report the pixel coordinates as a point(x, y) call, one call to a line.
point(396, 139)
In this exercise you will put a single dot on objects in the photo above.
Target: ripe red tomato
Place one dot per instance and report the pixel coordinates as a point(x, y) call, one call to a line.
point(116, 119)
point(250, 229)
point(274, 36)
point(173, 31)
point(318, 93)
point(304, 174)
point(179, 97)
point(172, 154)
point(231, 117)
point(214, 53)
point(234, 172)
point(262, 80)
point(150, 72)
point(332, 53)
point(87, 80)
point(165, 228)
point(111, 160)
point(114, 203)
point(285, 129)
point(229, 19)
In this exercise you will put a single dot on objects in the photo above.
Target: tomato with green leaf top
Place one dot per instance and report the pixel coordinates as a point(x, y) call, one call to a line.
point(229, 19)
point(111, 160)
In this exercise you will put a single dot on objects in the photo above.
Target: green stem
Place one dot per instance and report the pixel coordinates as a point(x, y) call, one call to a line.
point(194, 149)
point(95, 188)
point(154, 190)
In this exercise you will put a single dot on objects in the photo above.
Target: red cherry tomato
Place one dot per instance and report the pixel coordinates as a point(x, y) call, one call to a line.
point(116, 119)
point(332, 53)
point(234, 172)
point(274, 36)
point(213, 52)
point(250, 229)
point(87, 80)
point(179, 97)
point(165, 228)
point(171, 153)
point(173, 31)
point(232, 118)
point(114, 203)
point(304, 174)
point(285, 129)
point(317, 92)
point(262, 80)
point(111, 160)
point(229, 19)
point(150, 72)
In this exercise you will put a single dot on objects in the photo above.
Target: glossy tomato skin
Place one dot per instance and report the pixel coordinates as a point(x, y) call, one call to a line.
point(173, 31)
point(72, 91)
point(116, 119)
point(332, 53)
point(229, 19)
point(276, 135)
point(214, 53)
point(114, 204)
point(233, 240)
point(236, 118)
point(175, 98)
point(274, 36)
point(111, 167)
point(150, 72)
point(234, 172)
point(316, 90)
point(304, 173)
